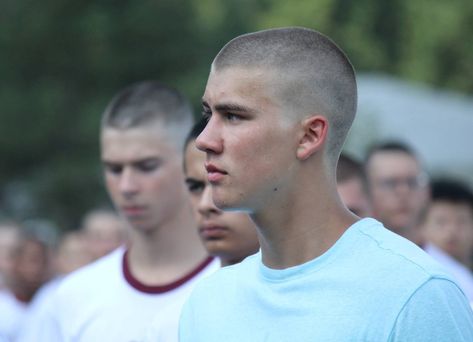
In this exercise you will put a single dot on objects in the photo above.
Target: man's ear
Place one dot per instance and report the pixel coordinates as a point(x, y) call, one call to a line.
point(314, 134)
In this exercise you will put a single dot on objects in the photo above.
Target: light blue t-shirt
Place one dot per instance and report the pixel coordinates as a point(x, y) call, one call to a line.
point(371, 285)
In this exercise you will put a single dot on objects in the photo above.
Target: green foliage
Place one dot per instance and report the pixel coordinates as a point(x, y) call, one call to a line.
point(62, 61)
point(428, 41)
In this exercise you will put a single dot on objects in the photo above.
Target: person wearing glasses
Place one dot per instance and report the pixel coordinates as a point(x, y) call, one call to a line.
point(398, 188)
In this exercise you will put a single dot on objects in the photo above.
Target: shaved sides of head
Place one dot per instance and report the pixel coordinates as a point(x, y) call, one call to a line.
point(310, 72)
point(146, 102)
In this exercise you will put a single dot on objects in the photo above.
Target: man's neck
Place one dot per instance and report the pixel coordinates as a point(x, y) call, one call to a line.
point(167, 254)
point(302, 229)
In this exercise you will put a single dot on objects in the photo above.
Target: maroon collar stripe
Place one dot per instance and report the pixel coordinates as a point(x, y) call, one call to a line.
point(136, 284)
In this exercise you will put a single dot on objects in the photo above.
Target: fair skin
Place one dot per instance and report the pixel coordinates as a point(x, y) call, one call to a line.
point(104, 232)
point(72, 253)
point(31, 269)
point(264, 159)
point(144, 178)
point(9, 238)
point(230, 236)
point(397, 196)
point(449, 226)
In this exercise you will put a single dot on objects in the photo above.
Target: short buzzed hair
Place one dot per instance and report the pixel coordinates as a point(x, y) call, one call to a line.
point(318, 77)
point(142, 103)
point(389, 146)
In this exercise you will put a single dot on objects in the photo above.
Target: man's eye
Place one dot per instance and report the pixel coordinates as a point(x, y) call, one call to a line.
point(206, 114)
point(148, 166)
point(113, 169)
point(232, 117)
point(195, 187)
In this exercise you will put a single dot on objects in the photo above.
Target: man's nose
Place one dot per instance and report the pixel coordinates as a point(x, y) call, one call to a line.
point(210, 140)
point(128, 183)
point(206, 203)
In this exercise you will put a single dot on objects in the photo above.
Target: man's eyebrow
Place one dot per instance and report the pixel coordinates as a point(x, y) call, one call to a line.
point(135, 161)
point(108, 162)
point(233, 107)
point(229, 107)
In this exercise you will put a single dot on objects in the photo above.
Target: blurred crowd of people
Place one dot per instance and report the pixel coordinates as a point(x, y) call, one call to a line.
point(391, 185)
point(169, 233)
point(34, 257)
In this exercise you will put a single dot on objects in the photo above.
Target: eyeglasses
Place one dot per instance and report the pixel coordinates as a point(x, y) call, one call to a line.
point(412, 183)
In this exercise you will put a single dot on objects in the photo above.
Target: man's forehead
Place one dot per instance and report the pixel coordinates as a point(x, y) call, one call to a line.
point(236, 75)
point(135, 145)
point(237, 85)
point(396, 158)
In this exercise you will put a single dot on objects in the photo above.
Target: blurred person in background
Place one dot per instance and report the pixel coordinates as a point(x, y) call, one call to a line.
point(104, 231)
point(9, 237)
point(116, 297)
point(71, 254)
point(230, 236)
point(351, 185)
point(398, 188)
point(447, 227)
point(31, 268)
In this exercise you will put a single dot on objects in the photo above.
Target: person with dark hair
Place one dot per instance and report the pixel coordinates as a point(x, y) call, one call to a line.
point(397, 187)
point(230, 236)
point(279, 104)
point(351, 185)
point(116, 297)
point(447, 226)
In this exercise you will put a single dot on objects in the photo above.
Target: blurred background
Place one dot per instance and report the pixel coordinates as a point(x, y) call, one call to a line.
point(62, 61)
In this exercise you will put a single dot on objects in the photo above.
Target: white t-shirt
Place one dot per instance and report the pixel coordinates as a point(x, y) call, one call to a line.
point(33, 316)
point(104, 302)
point(165, 325)
point(12, 312)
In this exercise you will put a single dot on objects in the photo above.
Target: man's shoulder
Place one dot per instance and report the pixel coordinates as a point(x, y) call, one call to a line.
point(396, 255)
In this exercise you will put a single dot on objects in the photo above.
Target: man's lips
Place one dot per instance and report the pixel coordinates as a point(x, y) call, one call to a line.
point(132, 211)
point(214, 174)
point(212, 231)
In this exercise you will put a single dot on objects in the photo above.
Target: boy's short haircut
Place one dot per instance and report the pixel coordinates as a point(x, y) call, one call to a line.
point(389, 146)
point(318, 79)
point(142, 103)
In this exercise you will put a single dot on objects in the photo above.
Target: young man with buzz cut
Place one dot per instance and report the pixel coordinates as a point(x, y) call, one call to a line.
point(279, 105)
point(115, 298)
